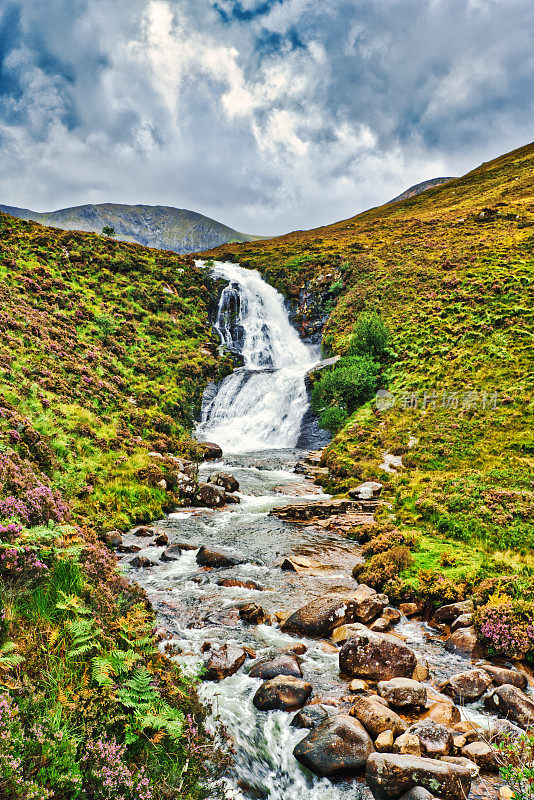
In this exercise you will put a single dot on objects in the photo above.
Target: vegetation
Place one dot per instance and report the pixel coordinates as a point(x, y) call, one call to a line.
point(104, 350)
point(450, 273)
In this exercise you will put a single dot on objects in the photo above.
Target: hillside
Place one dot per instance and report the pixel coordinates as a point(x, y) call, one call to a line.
point(104, 350)
point(164, 227)
point(417, 188)
point(450, 272)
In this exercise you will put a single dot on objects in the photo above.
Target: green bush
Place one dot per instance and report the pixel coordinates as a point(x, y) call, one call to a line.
point(370, 336)
point(383, 567)
point(333, 418)
point(345, 387)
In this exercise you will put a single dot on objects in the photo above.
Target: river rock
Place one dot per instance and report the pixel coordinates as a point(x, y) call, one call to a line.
point(252, 613)
point(225, 480)
point(466, 687)
point(277, 664)
point(511, 702)
point(357, 685)
point(161, 540)
point(380, 625)
point(407, 744)
point(390, 776)
point(435, 739)
point(463, 621)
point(232, 498)
point(409, 609)
point(142, 562)
point(392, 615)
point(172, 553)
point(441, 709)
point(242, 584)
point(283, 693)
point(223, 661)
point(463, 762)
point(500, 675)
point(447, 614)
point(384, 742)
point(300, 564)
point(370, 490)
point(143, 531)
point(421, 671)
point(210, 451)
point(208, 557)
point(311, 716)
point(211, 496)
point(403, 692)
point(463, 642)
point(417, 793)
point(378, 656)
point(483, 755)
point(112, 539)
point(338, 747)
point(365, 604)
point(376, 717)
point(319, 617)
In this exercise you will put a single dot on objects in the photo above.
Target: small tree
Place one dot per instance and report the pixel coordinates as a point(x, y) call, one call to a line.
point(107, 230)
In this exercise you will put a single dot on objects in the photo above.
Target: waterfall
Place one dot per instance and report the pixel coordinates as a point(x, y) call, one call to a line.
point(261, 405)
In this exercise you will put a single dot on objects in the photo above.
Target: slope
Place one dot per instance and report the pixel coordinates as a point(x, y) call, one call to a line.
point(421, 187)
point(164, 227)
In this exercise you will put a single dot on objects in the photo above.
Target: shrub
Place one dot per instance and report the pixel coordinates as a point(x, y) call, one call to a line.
point(436, 590)
point(383, 567)
point(505, 627)
point(515, 756)
point(340, 391)
point(333, 419)
point(385, 541)
point(370, 336)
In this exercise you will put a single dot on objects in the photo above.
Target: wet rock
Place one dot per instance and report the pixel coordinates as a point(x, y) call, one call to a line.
point(252, 613)
point(112, 539)
point(421, 671)
point(208, 557)
point(376, 717)
point(338, 747)
point(447, 614)
point(370, 490)
point(357, 685)
point(129, 548)
point(342, 633)
point(232, 499)
point(211, 496)
point(283, 693)
point(315, 508)
point(435, 739)
point(409, 609)
point(463, 621)
point(466, 687)
point(417, 793)
point(161, 540)
point(470, 730)
point(403, 692)
point(500, 675)
point(407, 744)
point(392, 615)
point(311, 716)
point(142, 531)
point(300, 564)
point(319, 617)
point(223, 661)
point(483, 755)
point(172, 553)
point(186, 546)
point(278, 664)
point(142, 562)
point(442, 710)
point(210, 451)
point(378, 656)
point(365, 604)
point(390, 776)
point(511, 702)
point(380, 625)
point(463, 762)
point(225, 480)
point(462, 642)
point(242, 584)
point(384, 742)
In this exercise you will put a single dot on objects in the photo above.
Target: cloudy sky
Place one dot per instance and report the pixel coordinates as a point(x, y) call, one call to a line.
point(268, 115)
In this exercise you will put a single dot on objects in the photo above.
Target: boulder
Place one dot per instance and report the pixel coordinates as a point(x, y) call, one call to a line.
point(142, 562)
point(161, 540)
point(277, 664)
point(376, 717)
point(232, 498)
point(378, 656)
point(223, 661)
point(511, 702)
point(143, 531)
point(500, 675)
point(392, 615)
point(208, 557)
point(502, 730)
point(463, 621)
point(407, 744)
point(403, 692)
point(300, 564)
point(344, 632)
point(242, 584)
point(252, 613)
point(210, 451)
point(463, 642)
point(384, 742)
point(225, 480)
point(370, 490)
point(381, 625)
point(417, 793)
point(441, 709)
point(311, 716)
point(112, 539)
point(435, 739)
point(447, 614)
point(365, 604)
point(390, 776)
point(283, 693)
point(463, 762)
point(211, 496)
point(319, 617)
point(466, 687)
point(171, 553)
point(483, 755)
point(409, 609)
point(338, 747)
point(421, 671)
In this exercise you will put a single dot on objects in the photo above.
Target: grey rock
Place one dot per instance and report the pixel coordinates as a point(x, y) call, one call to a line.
point(338, 747)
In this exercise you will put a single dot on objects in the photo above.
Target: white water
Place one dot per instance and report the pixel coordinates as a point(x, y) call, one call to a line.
point(261, 405)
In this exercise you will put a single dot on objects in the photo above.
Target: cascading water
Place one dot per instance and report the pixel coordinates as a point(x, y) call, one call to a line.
point(261, 405)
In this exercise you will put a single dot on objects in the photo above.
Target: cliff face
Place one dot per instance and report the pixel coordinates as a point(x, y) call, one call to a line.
point(164, 227)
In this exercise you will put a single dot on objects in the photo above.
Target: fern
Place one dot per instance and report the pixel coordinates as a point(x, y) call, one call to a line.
point(73, 604)
point(9, 657)
point(138, 693)
point(83, 636)
point(143, 641)
point(117, 662)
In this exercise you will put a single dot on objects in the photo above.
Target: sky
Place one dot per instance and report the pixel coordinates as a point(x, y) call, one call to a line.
point(268, 115)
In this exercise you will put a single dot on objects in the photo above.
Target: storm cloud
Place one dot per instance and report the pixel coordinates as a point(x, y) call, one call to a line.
point(268, 115)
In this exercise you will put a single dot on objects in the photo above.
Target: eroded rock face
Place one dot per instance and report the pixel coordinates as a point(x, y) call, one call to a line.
point(340, 746)
point(511, 702)
point(466, 687)
point(376, 717)
point(225, 480)
point(283, 693)
point(390, 776)
point(403, 692)
point(277, 664)
point(378, 656)
point(223, 661)
point(500, 676)
point(435, 739)
point(208, 557)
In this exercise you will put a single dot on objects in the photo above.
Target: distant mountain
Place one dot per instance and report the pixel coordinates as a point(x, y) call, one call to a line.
point(164, 227)
point(421, 187)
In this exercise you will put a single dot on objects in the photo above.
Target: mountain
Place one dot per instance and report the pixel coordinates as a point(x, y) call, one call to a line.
point(164, 227)
point(417, 188)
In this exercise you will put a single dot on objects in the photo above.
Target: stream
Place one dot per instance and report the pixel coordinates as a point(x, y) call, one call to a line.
point(255, 416)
